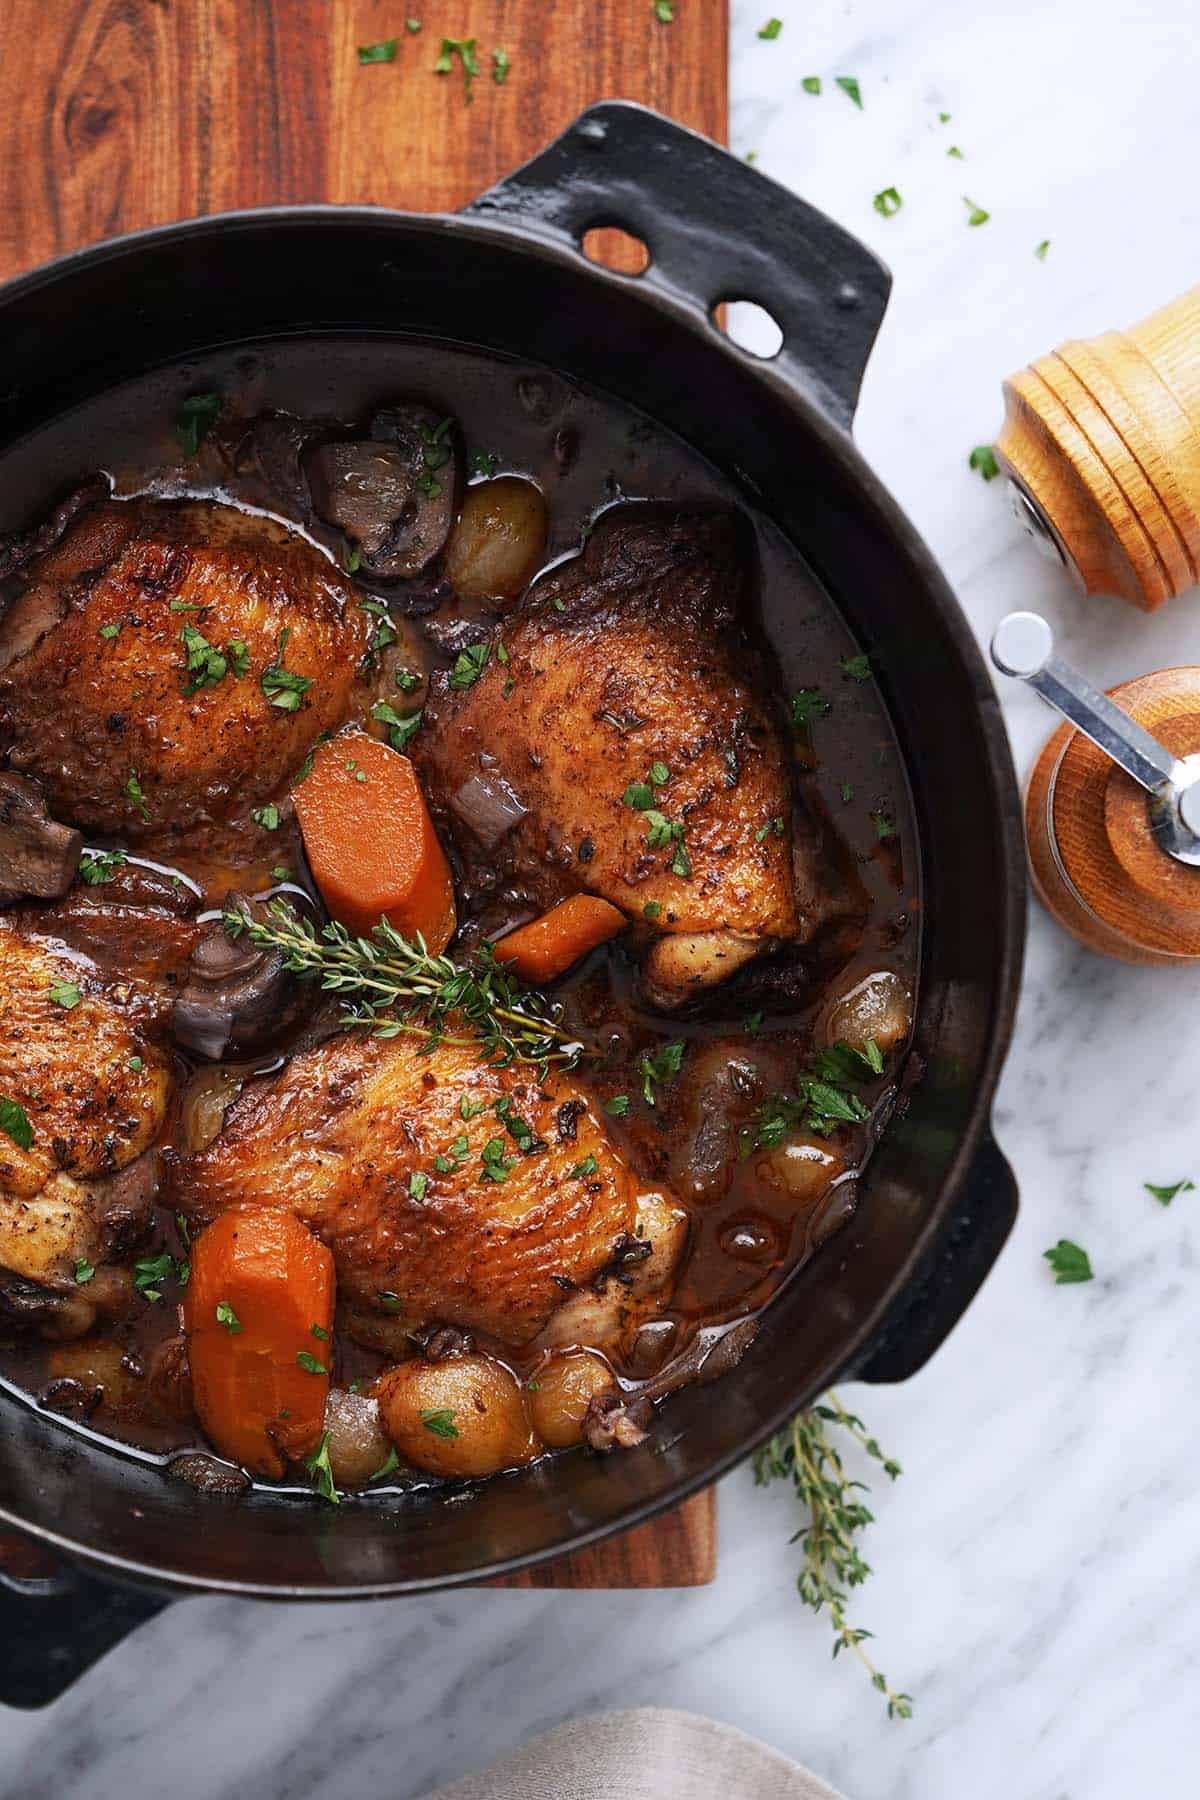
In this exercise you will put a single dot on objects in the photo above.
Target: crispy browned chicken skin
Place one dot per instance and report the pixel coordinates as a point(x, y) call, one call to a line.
point(630, 661)
point(366, 1141)
point(94, 1094)
point(94, 683)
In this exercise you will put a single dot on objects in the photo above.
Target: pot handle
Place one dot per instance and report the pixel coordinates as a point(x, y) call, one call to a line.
point(716, 231)
point(56, 1620)
point(953, 1272)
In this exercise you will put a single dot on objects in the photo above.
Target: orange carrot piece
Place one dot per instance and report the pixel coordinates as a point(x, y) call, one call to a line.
point(546, 947)
point(259, 1317)
point(370, 841)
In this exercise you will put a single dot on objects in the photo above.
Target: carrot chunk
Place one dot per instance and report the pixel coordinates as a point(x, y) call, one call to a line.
point(259, 1317)
point(547, 947)
point(371, 844)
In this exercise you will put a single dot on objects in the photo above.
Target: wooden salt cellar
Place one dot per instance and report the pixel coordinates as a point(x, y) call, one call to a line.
point(1094, 860)
point(1102, 440)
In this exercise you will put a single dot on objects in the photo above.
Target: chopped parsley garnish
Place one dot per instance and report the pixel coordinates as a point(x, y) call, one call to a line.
point(850, 88)
point(618, 1106)
point(754, 1024)
point(182, 606)
point(406, 680)
point(418, 1183)
point(888, 202)
point(664, 11)
point(1041, 250)
point(84, 1270)
point(320, 1467)
point(469, 665)
point(470, 1109)
point(65, 994)
point(519, 1130)
point(665, 1063)
point(765, 831)
point(1069, 1262)
point(439, 1420)
point(501, 64)
point(771, 29)
point(150, 1271)
point(639, 795)
point(281, 687)
point(944, 118)
point(495, 1165)
point(661, 832)
point(204, 664)
point(133, 791)
point(281, 872)
point(446, 1161)
point(464, 49)
point(403, 730)
point(14, 1122)
point(811, 84)
point(353, 559)
point(843, 1063)
point(1168, 1193)
point(847, 793)
point(857, 667)
point(227, 1317)
point(389, 1301)
point(885, 827)
point(318, 1331)
point(266, 816)
point(383, 52)
point(436, 451)
point(238, 657)
point(588, 1166)
point(983, 460)
point(137, 1065)
point(807, 705)
point(109, 631)
point(820, 1103)
point(652, 910)
point(484, 463)
point(196, 417)
point(312, 1365)
point(975, 214)
point(390, 1462)
point(413, 25)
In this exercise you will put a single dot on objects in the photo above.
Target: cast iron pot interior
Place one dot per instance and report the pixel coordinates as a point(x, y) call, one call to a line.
point(507, 276)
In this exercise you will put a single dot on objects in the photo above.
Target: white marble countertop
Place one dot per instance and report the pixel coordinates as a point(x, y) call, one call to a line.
point(1036, 1583)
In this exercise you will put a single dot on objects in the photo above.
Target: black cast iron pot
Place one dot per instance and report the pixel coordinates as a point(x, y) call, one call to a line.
point(507, 274)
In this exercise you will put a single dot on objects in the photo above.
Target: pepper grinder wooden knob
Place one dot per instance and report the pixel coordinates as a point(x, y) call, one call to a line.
point(1102, 441)
point(1112, 810)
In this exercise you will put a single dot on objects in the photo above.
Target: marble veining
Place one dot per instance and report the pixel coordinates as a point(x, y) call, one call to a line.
point(1038, 1567)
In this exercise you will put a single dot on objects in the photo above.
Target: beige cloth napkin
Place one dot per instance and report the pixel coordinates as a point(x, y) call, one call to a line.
point(648, 1754)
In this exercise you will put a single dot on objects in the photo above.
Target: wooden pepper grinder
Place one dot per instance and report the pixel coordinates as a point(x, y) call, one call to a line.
point(1112, 811)
point(1101, 441)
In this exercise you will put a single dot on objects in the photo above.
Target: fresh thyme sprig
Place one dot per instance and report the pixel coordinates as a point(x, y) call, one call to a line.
point(805, 1454)
point(391, 985)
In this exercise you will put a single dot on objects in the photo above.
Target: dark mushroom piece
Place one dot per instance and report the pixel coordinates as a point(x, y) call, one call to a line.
point(393, 494)
point(274, 448)
point(38, 856)
point(238, 993)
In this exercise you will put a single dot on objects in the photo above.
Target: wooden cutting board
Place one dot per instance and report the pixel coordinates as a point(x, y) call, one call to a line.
point(118, 114)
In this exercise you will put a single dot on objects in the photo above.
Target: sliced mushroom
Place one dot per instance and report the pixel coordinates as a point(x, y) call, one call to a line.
point(394, 493)
point(124, 1203)
point(238, 993)
point(608, 1423)
point(274, 446)
point(16, 552)
point(38, 856)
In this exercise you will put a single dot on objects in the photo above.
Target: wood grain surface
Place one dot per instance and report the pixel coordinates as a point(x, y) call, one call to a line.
point(119, 114)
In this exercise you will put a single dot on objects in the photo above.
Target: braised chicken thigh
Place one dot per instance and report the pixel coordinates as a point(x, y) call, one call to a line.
point(86, 1097)
point(168, 666)
point(624, 718)
point(451, 1191)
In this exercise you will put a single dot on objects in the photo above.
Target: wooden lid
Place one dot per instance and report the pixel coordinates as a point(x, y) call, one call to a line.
point(1104, 436)
point(1099, 822)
